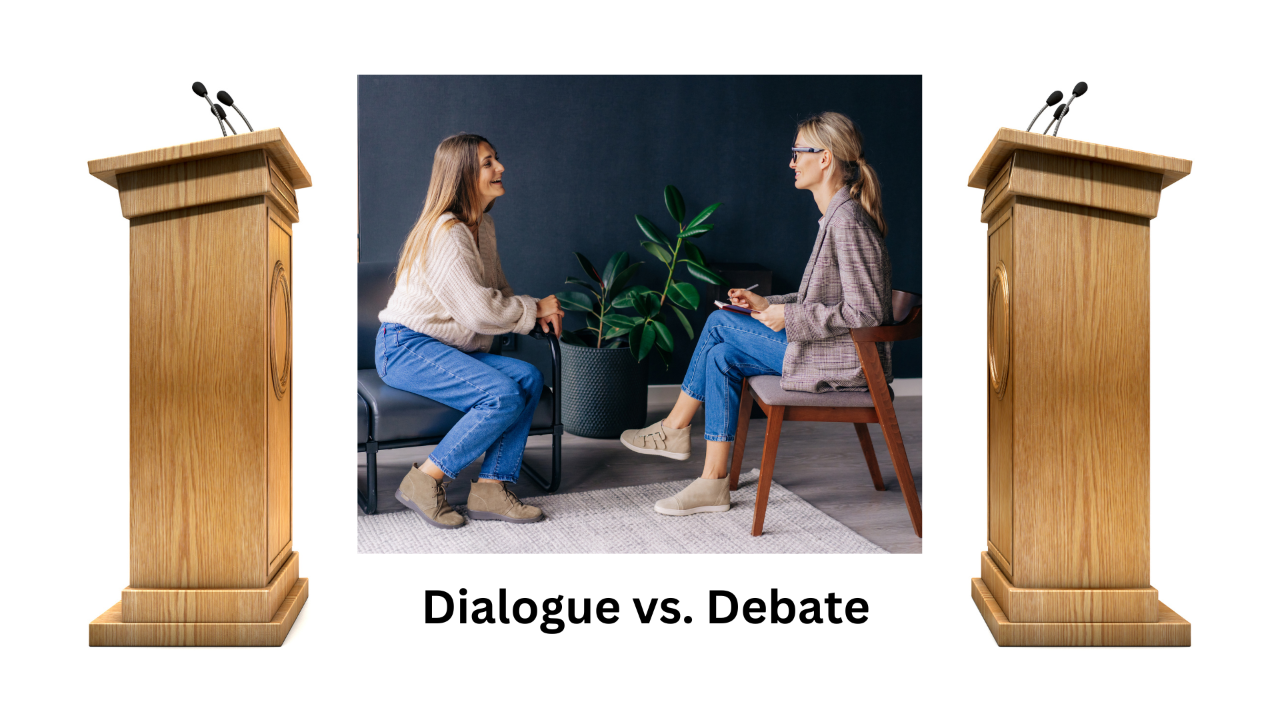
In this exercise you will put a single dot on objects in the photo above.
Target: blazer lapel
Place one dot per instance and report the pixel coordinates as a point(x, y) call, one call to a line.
point(840, 198)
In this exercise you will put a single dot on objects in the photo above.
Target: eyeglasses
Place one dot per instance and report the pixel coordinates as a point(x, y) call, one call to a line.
point(796, 150)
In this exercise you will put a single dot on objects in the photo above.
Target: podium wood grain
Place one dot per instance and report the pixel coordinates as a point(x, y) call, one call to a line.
point(211, 391)
point(1068, 495)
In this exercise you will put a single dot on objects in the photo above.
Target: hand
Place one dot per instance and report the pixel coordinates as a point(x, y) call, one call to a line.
point(550, 316)
point(774, 317)
point(747, 299)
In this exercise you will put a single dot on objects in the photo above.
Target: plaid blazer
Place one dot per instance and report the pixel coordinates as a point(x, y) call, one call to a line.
point(845, 285)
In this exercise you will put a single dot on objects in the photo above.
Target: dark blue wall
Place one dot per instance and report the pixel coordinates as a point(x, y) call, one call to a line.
point(583, 155)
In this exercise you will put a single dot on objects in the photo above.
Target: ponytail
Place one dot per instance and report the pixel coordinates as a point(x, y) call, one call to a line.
point(838, 134)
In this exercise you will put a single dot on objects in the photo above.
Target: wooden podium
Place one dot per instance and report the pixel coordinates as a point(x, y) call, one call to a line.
point(211, 559)
point(1068, 346)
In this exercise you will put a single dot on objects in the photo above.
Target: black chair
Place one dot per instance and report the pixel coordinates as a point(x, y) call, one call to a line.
point(389, 418)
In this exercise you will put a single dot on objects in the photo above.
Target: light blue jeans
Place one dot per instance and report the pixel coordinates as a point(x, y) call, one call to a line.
point(732, 346)
point(498, 395)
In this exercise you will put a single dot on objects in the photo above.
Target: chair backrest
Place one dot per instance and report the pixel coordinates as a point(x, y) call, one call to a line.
point(374, 283)
point(903, 301)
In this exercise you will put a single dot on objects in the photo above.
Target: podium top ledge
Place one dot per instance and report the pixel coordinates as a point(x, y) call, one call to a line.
point(1008, 140)
point(272, 140)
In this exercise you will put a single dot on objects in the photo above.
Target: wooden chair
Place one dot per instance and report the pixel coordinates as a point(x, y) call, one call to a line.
point(858, 408)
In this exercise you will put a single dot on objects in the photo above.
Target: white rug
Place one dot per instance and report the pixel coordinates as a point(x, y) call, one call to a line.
point(622, 520)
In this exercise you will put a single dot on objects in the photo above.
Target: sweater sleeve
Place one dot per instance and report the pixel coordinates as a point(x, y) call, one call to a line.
point(452, 273)
point(864, 298)
point(782, 299)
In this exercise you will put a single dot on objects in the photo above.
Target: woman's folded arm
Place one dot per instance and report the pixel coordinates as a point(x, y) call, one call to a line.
point(483, 310)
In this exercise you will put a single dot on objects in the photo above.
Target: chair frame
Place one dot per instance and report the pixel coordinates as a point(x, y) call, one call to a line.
point(368, 498)
point(882, 413)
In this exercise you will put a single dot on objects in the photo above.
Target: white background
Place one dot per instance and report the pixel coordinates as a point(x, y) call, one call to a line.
point(104, 80)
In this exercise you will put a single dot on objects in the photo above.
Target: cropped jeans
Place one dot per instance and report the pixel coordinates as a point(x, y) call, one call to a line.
point(732, 346)
point(498, 395)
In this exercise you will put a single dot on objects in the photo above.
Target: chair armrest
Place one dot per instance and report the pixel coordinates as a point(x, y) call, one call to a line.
point(553, 344)
point(908, 329)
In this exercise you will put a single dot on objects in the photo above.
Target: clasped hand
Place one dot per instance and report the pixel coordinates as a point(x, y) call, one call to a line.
point(773, 316)
point(550, 315)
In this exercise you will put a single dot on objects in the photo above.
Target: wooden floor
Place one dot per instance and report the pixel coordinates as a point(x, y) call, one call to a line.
point(820, 462)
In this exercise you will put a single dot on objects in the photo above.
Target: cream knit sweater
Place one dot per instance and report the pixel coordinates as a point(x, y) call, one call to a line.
point(459, 295)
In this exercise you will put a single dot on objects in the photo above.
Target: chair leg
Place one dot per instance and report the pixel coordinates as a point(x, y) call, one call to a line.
point(772, 433)
point(370, 478)
point(869, 452)
point(740, 440)
point(889, 426)
point(555, 459)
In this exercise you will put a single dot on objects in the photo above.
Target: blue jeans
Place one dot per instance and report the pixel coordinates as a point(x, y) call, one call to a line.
point(732, 346)
point(498, 395)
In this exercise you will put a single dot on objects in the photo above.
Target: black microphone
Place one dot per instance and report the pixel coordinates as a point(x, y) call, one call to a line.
point(1054, 99)
point(1080, 89)
point(198, 88)
point(222, 117)
point(225, 98)
point(1057, 115)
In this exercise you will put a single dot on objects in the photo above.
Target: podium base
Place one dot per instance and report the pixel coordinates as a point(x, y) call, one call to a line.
point(1169, 630)
point(110, 629)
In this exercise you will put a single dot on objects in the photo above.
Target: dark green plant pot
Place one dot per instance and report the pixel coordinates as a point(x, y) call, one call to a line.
point(605, 391)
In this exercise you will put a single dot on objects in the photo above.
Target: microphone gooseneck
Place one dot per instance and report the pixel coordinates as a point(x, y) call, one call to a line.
point(224, 97)
point(1054, 99)
point(222, 117)
point(1080, 89)
point(198, 88)
point(1057, 115)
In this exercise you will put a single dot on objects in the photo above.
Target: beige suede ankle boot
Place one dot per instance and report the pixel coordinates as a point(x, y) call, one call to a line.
point(702, 495)
point(425, 495)
point(658, 439)
point(495, 501)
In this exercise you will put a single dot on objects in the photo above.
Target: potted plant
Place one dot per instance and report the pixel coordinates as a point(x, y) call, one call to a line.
point(605, 366)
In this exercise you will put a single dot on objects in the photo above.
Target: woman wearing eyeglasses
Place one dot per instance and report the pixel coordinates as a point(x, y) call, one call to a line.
point(450, 299)
point(802, 336)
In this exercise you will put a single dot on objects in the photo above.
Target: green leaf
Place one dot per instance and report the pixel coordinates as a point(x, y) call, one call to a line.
point(619, 260)
point(583, 283)
point(627, 297)
point(622, 321)
point(633, 341)
point(666, 357)
point(570, 338)
point(614, 344)
point(685, 295)
point(586, 265)
point(664, 339)
point(658, 251)
point(695, 231)
point(651, 230)
point(675, 203)
point(704, 274)
point(622, 278)
point(646, 339)
point(695, 253)
point(683, 321)
point(704, 215)
point(616, 332)
point(574, 300)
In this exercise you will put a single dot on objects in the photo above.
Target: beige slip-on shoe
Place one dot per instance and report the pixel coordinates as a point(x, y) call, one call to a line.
point(658, 439)
point(495, 501)
point(702, 495)
point(425, 495)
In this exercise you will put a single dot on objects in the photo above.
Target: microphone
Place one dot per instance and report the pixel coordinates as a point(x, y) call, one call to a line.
point(225, 98)
point(1080, 89)
point(1057, 115)
point(1054, 99)
point(222, 117)
point(198, 88)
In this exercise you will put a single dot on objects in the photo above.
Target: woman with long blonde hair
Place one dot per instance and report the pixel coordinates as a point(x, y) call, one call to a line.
point(802, 336)
point(450, 299)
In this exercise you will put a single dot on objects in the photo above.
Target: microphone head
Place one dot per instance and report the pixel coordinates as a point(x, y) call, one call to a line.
point(1058, 113)
point(198, 88)
point(1055, 98)
point(1080, 89)
point(217, 110)
point(225, 98)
